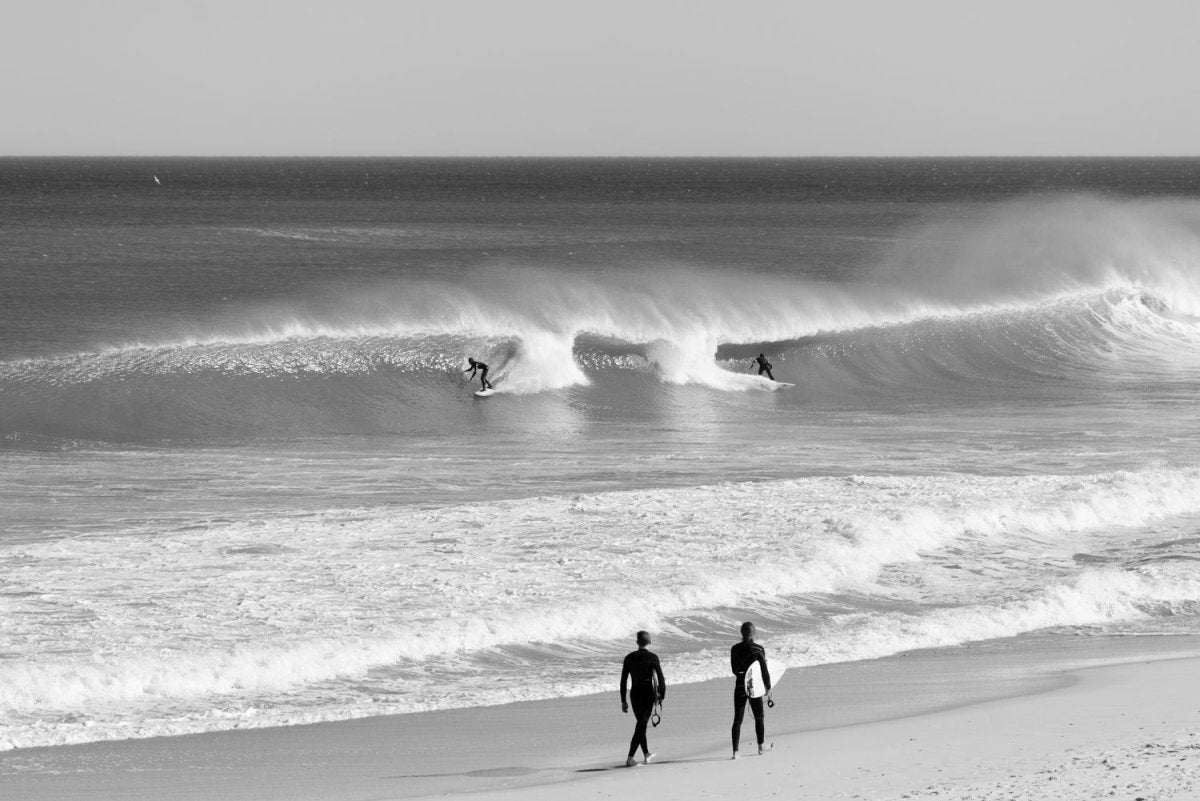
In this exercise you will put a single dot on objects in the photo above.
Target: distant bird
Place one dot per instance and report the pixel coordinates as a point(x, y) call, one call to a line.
point(157, 181)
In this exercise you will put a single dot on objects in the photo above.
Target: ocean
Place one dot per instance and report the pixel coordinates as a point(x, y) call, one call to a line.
point(244, 479)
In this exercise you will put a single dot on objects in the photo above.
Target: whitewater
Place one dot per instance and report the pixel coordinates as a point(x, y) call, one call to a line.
point(246, 481)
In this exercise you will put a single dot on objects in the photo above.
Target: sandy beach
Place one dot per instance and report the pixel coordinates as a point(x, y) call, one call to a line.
point(878, 328)
point(1082, 718)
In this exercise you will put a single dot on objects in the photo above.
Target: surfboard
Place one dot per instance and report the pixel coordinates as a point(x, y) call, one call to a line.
point(485, 393)
point(755, 686)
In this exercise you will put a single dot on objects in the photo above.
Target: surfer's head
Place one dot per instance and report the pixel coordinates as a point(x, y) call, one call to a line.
point(470, 361)
point(747, 630)
point(643, 638)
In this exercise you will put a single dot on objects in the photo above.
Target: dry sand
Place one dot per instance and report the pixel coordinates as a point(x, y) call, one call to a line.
point(1076, 718)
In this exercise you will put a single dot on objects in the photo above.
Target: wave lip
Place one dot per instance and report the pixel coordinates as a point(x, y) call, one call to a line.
point(336, 381)
point(1037, 287)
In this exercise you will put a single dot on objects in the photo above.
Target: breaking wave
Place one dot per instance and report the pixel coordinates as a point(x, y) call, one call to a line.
point(843, 568)
point(1069, 293)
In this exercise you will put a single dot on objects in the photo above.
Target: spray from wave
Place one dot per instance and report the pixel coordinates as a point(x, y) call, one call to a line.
point(1029, 292)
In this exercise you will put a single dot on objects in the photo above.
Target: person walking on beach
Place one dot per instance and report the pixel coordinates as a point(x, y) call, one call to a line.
point(646, 688)
point(764, 366)
point(741, 657)
point(482, 368)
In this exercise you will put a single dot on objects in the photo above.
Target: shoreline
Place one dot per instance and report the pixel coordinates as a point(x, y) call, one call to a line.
point(869, 726)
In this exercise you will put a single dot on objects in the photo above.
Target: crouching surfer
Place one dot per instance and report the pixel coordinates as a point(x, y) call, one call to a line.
point(647, 687)
point(764, 366)
point(482, 368)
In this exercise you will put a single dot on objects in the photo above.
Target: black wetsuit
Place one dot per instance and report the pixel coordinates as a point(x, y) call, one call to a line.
point(741, 657)
point(482, 368)
point(642, 668)
point(764, 366)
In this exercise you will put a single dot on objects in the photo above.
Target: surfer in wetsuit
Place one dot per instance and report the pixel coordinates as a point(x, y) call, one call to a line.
point(764, 366)
point(646, 687)
point(741, 657)
point(482, 368)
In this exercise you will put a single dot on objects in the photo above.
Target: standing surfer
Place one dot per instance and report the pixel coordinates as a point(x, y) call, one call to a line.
point(646, 688)
point(741, 657)
point(764, 366)
point(482, 368)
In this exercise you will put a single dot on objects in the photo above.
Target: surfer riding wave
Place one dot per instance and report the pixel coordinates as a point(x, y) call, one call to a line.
point(483, 371)
point(764, 366)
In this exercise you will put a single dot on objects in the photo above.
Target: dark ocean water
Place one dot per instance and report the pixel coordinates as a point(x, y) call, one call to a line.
point(244, 474)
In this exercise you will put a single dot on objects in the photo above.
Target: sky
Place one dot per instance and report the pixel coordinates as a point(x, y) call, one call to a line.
point(599, 78)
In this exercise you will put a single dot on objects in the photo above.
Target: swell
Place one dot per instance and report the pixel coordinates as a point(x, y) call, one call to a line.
point(1072, 345)
point(1074, 293)
point(329, 381)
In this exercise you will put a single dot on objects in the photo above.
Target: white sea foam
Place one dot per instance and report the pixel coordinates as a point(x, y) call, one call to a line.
point(1093, 598)
point(201, 618)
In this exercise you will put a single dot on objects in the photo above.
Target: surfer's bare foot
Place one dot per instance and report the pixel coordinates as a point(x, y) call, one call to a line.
point(735, 754)
point(649, 757)
point(631, 763)
point(762, 749)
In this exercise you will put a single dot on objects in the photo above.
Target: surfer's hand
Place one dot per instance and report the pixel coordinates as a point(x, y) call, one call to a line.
point(624, 706)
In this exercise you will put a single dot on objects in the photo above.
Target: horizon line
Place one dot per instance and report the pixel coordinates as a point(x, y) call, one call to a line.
point(578, 157)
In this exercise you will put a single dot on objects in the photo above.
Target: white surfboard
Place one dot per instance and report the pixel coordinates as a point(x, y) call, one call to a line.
point(485, 393)
point(755, 686)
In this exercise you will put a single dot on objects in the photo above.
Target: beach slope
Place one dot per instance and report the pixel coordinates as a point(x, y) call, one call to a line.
point(1079, 718)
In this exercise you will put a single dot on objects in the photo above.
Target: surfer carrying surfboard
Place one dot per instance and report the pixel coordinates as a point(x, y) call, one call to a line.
point(764, 366)
point(741, 657)
point(647, 687)
point(482, 368)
